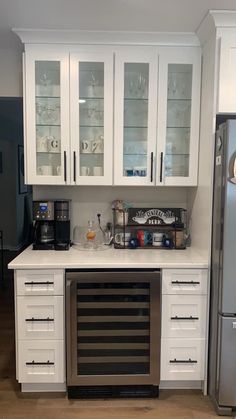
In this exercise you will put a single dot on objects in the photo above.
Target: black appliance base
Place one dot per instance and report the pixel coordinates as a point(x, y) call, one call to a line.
point(61, 246)
point(103, 392)
point(45, 246)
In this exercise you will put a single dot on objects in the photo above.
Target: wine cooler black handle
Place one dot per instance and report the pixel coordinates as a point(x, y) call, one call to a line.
point(65, 167)
point(39, 363)
point(151, 166)
point(184, 318)
point(183, 361)
point(74, 155)
point(185, 282)
point(161, 168)
point(39, 283)
point(39, 320)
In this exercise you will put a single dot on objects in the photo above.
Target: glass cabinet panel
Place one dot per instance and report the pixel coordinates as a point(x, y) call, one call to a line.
point(135, 130)
point(48, 118)
point(91, 118)
point(179, 101)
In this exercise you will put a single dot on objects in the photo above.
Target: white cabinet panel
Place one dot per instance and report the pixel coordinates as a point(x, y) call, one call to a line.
point(41, 361)
point(183, 316)
point(40, 282)
point(227, 72)
point(40, 317)
point(184, 281)
point(182, 359)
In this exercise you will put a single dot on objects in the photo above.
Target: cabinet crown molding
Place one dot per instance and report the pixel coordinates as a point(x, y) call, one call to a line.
point(51, 36)
point(213, 20)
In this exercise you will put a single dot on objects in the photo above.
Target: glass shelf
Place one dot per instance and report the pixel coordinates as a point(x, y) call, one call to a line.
point(47, 97)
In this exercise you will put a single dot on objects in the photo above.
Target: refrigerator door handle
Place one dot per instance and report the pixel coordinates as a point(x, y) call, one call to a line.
point(232, 169)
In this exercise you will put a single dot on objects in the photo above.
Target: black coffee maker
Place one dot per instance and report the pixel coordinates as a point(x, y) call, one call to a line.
point(51, 225)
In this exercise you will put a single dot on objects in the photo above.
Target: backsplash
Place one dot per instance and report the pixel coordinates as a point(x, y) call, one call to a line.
point(87, 201)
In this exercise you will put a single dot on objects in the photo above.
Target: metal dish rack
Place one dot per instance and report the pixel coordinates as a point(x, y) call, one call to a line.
point(171, 222)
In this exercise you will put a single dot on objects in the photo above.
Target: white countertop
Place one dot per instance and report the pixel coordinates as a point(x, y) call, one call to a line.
point(110, 258)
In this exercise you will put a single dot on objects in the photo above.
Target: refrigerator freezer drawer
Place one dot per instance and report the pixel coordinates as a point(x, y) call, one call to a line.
point(227, 362)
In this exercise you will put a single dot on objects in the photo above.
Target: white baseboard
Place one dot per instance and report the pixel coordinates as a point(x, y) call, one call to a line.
point(181, 385)
point(42, 388)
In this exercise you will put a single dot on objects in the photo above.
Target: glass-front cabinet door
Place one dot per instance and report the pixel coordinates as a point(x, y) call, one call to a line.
point(178, 116)
point(135, 116)
point(91, 92)
point(47, 117)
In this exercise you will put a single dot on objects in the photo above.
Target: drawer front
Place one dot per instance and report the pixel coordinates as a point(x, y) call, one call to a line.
point(182, 359)
point(41, 361)
point(183, 316)
point(40, 317)
point(184, 281)
point(40, 282)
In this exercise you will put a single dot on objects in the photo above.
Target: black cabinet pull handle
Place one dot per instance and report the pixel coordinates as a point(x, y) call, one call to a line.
point(65, 168)
point(185, 282)
point(39, 363)
point(39, 320)
point(39, 283)
point(161, 167)
point(74, 154)
point(151, 166)
point(183, 361)
point(184, 318)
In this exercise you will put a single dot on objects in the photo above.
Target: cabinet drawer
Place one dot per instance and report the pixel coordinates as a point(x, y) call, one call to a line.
point(40, 317)
point(184, 281)
point(183, 316)
point(182, 359)
point(40, 282)
point(41, 361)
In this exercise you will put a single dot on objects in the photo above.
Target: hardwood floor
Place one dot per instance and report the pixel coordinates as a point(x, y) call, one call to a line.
point(15, 405)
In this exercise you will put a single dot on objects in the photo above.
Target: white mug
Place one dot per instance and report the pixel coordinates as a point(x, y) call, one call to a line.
point(53, 144)
point(97, 145)
point(157, 239)
point(42, 144)
point(122, 239)
point(85, 171)
point(45, 170)
point(58, 170)
point(86, 146)
point(97, 171)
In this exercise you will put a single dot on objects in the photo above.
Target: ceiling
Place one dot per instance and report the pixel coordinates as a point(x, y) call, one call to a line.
point(121, 15)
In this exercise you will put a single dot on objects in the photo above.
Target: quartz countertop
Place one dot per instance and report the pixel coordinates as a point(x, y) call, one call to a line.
point(108, 259)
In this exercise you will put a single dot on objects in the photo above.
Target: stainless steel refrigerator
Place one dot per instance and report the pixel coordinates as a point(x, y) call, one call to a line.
point(222, 343)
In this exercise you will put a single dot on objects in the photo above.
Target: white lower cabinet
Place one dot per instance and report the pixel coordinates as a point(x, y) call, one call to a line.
point(184, 321)
point(41, 361)
point(40, 326)
point(182, 359)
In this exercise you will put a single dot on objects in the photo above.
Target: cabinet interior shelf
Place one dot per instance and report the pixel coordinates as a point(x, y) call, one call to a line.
point(91, 126)
point(47, 97)
point(134, 98)
point(49, 152)
point(132, 127)
point(178, 100)
point(134, 154)
point(91, 154)
point(90, 98)
point(186, 127)
point(48, 125)
point(177, 154)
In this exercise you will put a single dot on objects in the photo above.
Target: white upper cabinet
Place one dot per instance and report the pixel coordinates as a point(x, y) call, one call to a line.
point(136, 72)
point(227, 71)
point(47, 140)
point(73, 135)
point(178, 116)
point(91, 118)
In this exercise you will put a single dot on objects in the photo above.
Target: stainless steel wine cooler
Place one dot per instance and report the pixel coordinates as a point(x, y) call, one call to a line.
point(113, 333)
